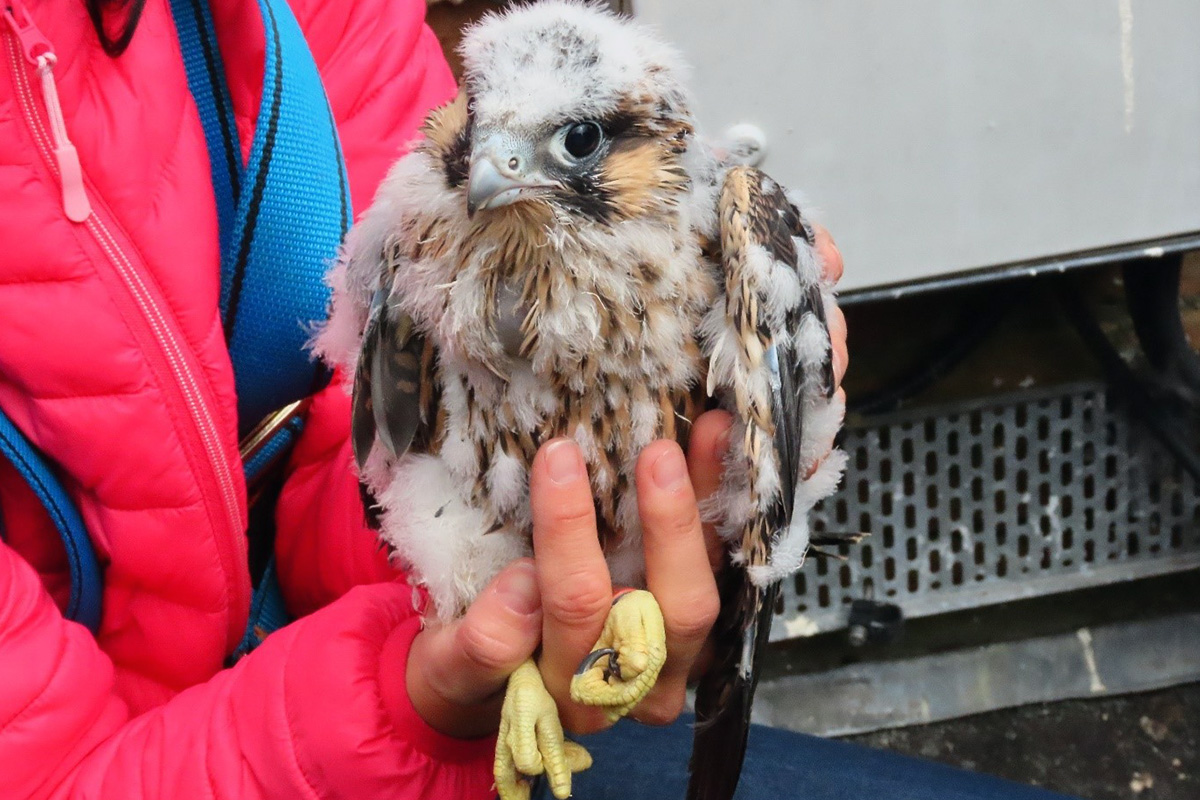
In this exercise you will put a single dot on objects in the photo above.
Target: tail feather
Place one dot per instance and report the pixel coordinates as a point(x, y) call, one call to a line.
point(726, 693)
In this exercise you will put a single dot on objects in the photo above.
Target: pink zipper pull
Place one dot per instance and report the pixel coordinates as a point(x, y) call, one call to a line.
point(39, 52)
point(34, 43)
point(75, 199)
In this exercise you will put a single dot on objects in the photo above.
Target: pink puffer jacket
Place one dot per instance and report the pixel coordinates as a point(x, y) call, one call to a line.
point(112, 360)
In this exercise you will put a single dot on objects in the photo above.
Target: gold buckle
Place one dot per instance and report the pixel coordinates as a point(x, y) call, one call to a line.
point(254, 442)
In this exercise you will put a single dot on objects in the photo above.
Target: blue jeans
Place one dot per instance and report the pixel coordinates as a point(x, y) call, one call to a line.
point(636, 762)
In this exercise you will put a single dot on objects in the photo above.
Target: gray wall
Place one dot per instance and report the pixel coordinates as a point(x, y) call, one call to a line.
point(940, 136)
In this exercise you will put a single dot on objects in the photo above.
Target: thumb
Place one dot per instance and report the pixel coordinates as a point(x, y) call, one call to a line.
point(457, 672)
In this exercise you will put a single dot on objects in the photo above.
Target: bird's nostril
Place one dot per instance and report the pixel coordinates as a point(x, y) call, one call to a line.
point(514, 163)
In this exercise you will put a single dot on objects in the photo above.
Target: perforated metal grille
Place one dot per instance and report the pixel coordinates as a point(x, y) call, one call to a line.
point(978, 505)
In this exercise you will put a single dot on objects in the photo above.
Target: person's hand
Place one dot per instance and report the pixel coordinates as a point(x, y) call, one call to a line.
point(457, 672)
point(831, 264)
point(576, 588)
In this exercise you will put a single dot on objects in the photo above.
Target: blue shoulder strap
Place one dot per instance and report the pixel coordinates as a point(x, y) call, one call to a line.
point(281, 218)
point(86, 582)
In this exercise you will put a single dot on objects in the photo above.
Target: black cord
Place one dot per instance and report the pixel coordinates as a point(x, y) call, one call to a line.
point(1152, 407)
point(976, 325)
point(1152, 294)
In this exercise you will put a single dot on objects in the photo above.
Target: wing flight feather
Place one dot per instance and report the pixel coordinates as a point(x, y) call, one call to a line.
point(766, 363)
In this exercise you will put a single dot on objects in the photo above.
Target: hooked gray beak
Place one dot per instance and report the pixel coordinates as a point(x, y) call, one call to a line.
point(496, 182)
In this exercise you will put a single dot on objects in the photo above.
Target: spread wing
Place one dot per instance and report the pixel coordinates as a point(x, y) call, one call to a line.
point(770, 364)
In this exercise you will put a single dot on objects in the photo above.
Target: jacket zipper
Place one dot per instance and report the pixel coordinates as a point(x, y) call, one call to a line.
point(62, 159)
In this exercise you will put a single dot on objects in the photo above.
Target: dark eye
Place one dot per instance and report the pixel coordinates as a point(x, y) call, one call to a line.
point(582, 139)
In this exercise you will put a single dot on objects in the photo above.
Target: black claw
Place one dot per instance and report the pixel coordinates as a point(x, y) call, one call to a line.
point(831, 538)
point(819, 553)
point(613, 667)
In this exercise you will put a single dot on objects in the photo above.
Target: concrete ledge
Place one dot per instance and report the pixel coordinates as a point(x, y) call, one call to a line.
point(1090, 662)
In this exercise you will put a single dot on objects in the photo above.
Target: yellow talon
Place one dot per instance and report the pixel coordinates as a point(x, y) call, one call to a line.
point(531, 740)
point(622, 668)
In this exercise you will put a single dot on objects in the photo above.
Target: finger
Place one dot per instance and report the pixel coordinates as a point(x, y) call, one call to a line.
point(703, 661)
point(828, 253)
point(837, 336)
point(678, 570)
point(573, 577)
point(662, 706)
point(706, 462)
point(456, 673)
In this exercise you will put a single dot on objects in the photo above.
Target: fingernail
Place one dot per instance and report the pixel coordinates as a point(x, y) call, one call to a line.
point(517, 588)
point(721, 445)
point(564, 461)
point(670, 470)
